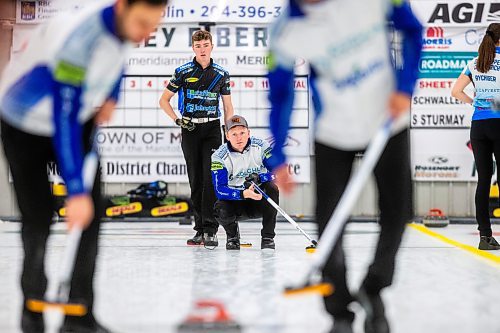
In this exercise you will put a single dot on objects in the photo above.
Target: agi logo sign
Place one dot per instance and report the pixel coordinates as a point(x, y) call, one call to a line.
point(465, 12)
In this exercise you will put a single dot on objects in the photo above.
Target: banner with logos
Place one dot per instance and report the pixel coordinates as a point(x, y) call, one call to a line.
point(434, 107)
point(442, 155)
point(234, 11)
point(165, 142)
point(456, 13)
point(170, 169)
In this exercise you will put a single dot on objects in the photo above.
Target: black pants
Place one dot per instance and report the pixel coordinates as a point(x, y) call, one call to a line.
point(393, 177)
point(485, 140)
point(198, 146)
point(27, 156)
point(228, 212)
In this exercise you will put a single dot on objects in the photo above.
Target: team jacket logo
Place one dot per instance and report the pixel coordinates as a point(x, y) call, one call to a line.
point(465, 12)
point(191, 79)
point(131, 208)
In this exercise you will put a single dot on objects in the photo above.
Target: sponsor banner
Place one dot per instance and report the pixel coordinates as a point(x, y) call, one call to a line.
point(438, 87)
point(131, 208)
point(38, 11)
point(442, 117)
point(155, 142)
point(456, 13)
point(170, 170)
point(243, 62)
point(442, 101)
point(225, 37)
point(166, 142)
point(443, 64)
point(433, 106)
point(438, 38)
point(237, 11)
point(142, 170)
point(442, 155)
point(247, 62)
point(300, 169)
point(176, 208)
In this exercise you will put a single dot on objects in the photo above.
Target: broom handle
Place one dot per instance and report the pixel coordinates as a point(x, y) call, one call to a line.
point(340, 215)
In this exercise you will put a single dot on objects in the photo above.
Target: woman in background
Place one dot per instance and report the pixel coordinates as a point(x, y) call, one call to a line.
point(484, 73)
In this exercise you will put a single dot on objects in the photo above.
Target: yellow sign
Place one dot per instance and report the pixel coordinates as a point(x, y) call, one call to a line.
point(191, 79)
point(131, 208)
point(180, 207)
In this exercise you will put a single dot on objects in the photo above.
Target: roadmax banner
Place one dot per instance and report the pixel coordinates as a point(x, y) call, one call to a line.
point(442, 155)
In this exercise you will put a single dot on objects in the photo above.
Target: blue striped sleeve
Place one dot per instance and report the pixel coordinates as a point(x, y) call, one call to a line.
point(405, 21)
point(67, 137)
point(281, 96)
point(220, 181)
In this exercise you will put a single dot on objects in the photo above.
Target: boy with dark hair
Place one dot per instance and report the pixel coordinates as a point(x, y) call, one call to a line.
point(200, 84)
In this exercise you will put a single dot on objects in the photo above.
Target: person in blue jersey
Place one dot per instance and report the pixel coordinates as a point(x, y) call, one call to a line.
point(201, 84)
point(484, 73)
point(355, 88)
point(234, 164)
point(65, 82)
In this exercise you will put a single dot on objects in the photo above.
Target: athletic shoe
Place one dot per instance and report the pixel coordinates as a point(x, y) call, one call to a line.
point(342, 326)
point(233, 243)
point(267, 243)
point(32, 322)
point(488, 243)
point(85, 324)
point(196, 240)
point(210, 239)
point(375, 321)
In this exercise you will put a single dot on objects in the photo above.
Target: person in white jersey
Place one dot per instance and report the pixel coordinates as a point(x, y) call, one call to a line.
point(354, 89)
point(484, 73)
point(237, 162)
point(48, 100)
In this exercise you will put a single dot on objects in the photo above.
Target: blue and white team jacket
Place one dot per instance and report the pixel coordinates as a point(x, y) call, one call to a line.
point(70, 66)
point(487, 87)
point(346, 44)
point(230, 167)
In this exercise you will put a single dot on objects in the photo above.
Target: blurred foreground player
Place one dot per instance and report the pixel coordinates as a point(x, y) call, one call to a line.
point(241, 160)
point(355, 88)
point(47, 107)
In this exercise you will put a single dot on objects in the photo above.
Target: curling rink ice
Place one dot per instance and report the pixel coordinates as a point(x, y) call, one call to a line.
point(147, 279)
